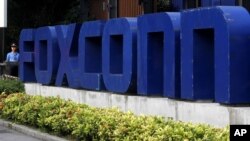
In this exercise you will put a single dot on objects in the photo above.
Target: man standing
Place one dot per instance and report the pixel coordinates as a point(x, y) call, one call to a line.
point(12, 59)
point(13, 56)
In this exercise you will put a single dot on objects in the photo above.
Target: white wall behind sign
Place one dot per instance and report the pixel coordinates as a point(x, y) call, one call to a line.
point(3, 13)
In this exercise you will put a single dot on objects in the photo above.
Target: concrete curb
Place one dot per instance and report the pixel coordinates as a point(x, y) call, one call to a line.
point(30, 132)
point(210, 113)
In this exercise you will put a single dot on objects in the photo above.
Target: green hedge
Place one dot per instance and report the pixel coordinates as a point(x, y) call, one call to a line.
point(82, 122)
point(11, 86)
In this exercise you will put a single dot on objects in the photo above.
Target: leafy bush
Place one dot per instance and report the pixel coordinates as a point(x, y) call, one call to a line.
point(87, 123)
point(11, 86)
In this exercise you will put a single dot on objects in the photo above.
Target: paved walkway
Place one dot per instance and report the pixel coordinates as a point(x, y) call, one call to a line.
point(11, 135)
point(10, 131)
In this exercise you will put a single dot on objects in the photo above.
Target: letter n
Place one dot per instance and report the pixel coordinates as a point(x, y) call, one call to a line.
point(159, 54)
point(215, 54)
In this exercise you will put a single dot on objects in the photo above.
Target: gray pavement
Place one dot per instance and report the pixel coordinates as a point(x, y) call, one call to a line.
point(10, 131)
point(7, 134)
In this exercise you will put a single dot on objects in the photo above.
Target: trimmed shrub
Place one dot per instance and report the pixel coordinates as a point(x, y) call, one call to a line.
point(83, 122)
point(11, 86)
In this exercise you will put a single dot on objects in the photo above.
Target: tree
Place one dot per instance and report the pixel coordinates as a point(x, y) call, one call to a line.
point(33, 14)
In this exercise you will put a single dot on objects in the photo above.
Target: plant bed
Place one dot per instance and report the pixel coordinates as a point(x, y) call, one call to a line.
point(11, 86)
point(82, 122)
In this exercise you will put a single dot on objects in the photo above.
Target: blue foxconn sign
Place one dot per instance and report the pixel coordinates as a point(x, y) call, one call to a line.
point(197, 54)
